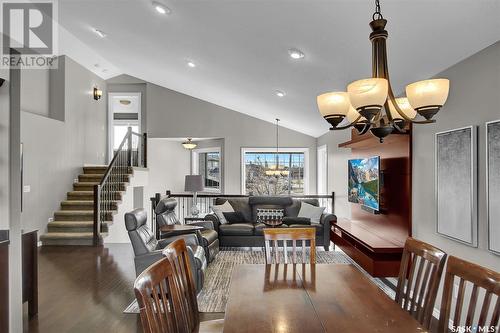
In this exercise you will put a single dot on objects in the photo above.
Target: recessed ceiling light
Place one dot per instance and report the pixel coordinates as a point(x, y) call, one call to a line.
point(100, 33)
point(280, 93)
point(161, 8)
point(191, 64)
point(296, 53)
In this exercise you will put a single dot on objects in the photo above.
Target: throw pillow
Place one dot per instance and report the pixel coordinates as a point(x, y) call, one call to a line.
point(288, 220)
point(265, 214)
point(312, 212)
point(220, 209)
point(234, 217)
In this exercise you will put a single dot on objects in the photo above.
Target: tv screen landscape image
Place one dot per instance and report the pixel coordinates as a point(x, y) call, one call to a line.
point(364, 182)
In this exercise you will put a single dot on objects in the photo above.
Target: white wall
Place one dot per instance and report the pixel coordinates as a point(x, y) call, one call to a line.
point(474, 99)
point(168, 163)
point(337, 169)
point(172, 114)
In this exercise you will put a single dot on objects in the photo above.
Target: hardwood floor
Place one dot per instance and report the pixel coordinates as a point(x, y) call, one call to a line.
point(85, 289)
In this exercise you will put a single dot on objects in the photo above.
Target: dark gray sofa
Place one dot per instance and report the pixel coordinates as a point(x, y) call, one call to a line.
point(249, 233)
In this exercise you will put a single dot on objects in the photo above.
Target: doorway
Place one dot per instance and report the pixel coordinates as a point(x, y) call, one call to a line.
point(124, 111)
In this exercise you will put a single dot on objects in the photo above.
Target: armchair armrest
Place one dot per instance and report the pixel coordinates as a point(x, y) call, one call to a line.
point(190, 239)
point(327, 220)
point(214, 219)
point(207, 225)
point(144, 261)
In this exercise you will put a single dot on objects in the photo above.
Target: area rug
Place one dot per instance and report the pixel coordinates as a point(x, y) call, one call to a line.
point(213, 297)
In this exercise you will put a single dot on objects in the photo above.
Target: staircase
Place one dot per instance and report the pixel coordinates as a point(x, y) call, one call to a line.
point(73, 224)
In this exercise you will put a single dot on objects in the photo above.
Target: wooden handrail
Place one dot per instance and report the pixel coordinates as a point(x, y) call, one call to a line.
point(107, 186)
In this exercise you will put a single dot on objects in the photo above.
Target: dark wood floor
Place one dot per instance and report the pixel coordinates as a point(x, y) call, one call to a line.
point(86, 289)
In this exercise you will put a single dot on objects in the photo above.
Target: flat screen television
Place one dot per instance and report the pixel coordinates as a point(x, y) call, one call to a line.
point(364, 182)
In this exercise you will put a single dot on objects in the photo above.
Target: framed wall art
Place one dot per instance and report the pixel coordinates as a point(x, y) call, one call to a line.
point(456, 179)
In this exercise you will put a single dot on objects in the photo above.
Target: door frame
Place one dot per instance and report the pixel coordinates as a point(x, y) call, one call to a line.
point(111, 120)
point(318, 166)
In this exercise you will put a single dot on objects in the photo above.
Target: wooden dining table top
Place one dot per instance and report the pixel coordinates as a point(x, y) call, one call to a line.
point(289, 298)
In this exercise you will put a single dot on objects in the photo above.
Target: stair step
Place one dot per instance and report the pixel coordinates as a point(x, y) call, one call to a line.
point(89, 195)
point(68, 238)
point(98, 178)
point(81, 215)
point(75, 226)
point(72, 205)
point(98, 169)
point(89, 186)
point(102, 169)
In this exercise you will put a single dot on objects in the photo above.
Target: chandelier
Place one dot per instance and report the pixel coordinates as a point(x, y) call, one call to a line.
point(277, 170)
point(370, 104)
point(189, 144)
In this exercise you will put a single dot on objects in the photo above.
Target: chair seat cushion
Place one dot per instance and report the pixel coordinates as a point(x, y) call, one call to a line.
point(319, 227)
point(208, 236)
point(236, 229)
point(259, 227)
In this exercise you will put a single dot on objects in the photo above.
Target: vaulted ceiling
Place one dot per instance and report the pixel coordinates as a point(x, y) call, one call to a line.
point(240, 47)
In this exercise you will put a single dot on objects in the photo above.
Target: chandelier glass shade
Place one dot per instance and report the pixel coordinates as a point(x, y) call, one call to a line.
point(370, 104)
point(189, 144)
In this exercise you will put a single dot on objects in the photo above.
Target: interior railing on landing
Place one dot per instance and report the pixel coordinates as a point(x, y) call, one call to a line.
point(205, 202)
point(132, 152)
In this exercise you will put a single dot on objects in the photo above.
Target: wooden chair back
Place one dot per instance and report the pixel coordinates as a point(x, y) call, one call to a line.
point(166, 295)
point(273, 235)
point(418, 281)
point(479, 277)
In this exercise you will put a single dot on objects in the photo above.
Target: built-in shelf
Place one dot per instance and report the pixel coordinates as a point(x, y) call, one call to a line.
point(367, 140)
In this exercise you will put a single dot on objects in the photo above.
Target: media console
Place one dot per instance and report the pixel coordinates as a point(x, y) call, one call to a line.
point(379, 256)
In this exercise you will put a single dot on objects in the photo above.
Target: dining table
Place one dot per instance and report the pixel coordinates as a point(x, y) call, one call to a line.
point(288, 298)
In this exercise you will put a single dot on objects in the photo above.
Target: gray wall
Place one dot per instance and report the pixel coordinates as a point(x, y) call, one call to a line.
point(172, 114)
point(474, 99)
point(55, 151)
point(337, 169)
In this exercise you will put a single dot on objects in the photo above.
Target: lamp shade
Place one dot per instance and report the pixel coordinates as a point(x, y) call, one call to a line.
point(368, 92)
point(353, 115)
point(189, 144)
point(194, 183)
point(428, 93)
point(333, 103)
point(404, 106)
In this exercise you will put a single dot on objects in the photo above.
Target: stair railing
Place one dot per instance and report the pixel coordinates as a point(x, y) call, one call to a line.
point(132, 152)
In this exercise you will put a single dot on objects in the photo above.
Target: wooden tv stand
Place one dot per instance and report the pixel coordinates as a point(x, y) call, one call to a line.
point(379, 256)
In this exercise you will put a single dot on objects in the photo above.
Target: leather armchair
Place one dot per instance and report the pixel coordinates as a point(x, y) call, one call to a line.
point(207, 237)
point(148, 250)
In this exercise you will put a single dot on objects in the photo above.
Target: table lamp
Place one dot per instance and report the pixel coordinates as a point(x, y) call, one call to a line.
point(194, 183)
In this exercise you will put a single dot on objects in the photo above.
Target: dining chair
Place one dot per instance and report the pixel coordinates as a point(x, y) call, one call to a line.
point(481, 278)
point(166, 295)
point(418, 281)
point(273, 235)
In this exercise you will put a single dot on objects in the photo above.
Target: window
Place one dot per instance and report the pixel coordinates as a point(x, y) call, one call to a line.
point(290, 179)
point(207, 162)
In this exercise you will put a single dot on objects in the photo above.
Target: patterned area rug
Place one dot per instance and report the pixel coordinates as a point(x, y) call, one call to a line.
point(213, 297)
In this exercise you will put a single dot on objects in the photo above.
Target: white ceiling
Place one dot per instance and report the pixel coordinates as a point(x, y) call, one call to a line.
point(240, 46)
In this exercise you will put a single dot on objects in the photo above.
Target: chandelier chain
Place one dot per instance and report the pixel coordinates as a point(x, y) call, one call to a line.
point(378, 14)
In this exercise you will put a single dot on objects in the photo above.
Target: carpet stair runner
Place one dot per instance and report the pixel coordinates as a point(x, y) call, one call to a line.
point(73, 223)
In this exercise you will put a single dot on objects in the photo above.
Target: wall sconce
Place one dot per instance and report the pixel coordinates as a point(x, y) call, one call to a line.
point(97, 93)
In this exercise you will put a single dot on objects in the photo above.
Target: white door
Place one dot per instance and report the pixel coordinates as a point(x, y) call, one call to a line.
point(322, 170)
